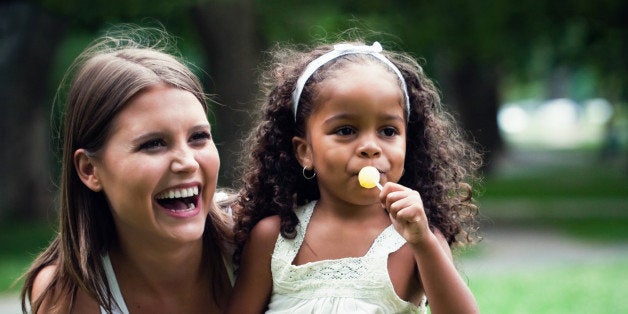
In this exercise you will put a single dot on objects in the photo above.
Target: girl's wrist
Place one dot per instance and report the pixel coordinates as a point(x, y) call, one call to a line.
point(427, 245)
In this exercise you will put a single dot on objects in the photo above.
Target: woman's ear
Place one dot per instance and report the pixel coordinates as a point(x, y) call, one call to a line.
point(86, 170)
point(302, 151)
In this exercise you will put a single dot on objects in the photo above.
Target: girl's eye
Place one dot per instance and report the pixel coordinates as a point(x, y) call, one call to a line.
point(345, 131)
point(389, 132)
point(152, 144)
point(200, 137)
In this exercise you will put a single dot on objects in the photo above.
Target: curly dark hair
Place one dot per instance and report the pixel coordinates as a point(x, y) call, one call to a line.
point(440, 163)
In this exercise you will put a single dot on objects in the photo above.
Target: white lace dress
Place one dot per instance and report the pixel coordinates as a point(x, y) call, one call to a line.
point(346, 285)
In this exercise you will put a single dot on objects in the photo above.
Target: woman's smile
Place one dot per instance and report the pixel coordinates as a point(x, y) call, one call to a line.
point(180, 201)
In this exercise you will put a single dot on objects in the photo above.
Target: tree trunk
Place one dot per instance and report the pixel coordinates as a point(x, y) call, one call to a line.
point(228, 31)
point(472, 90)
point(29, 40)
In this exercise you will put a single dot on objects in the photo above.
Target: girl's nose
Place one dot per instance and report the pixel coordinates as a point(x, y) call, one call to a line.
point(369, 148)
point(184, 161)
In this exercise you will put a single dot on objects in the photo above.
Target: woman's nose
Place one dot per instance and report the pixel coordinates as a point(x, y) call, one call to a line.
point(184, 160)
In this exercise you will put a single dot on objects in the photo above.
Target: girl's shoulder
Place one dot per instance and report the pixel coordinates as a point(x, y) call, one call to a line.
point(261, 243)
point(267, 229)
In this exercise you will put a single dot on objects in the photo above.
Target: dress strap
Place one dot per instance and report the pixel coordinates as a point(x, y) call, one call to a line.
point(118, 300)
point(287, 249)
point(387, 242)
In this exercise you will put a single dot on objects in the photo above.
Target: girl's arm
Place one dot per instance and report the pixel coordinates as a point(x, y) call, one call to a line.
point(443, 285)
point(445, 289)
point(254, 283)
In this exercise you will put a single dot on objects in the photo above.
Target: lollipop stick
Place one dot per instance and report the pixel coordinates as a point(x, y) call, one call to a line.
point(379, 186)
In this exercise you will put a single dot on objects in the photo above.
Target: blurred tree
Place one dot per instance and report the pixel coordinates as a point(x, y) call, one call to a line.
point(225, 30)
point(470, 47)
point(31, 33)
point(230, 38)
point(30, 36)
point(593, 35)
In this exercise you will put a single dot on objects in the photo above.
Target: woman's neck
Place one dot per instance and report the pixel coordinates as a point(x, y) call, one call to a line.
point(158, 268)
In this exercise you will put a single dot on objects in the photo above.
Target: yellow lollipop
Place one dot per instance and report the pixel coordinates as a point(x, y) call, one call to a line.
point(369, 177)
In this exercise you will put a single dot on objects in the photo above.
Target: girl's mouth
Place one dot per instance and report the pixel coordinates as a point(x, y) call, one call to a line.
point(179, 199)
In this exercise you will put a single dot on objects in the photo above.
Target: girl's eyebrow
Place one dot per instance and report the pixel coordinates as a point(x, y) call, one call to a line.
point(340, 116)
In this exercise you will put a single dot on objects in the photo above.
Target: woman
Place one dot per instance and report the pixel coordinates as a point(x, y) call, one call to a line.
point(139, 230)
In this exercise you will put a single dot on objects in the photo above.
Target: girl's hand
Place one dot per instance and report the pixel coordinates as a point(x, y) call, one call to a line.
point(406, 212)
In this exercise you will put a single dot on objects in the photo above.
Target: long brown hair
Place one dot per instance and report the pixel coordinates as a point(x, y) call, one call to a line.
point(104, 77)
point(440, 163)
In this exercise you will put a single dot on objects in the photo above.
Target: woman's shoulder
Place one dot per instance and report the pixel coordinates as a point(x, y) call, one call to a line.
point(42, 281)
point(82, 302)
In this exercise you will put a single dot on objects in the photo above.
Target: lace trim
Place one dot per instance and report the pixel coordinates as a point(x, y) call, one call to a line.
point(363, 277)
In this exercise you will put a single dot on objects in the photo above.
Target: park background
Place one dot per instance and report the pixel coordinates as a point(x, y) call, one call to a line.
point(542, 86)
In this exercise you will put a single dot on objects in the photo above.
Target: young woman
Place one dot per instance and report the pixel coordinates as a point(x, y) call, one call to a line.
point(139, 229)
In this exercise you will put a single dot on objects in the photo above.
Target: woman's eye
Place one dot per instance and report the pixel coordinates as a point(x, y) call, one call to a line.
point(152, 144)
point(200, 137)
point(345, 131)
point(388, 132)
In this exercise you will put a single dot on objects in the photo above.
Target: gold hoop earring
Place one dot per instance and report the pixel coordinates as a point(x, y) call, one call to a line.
point(306, 176)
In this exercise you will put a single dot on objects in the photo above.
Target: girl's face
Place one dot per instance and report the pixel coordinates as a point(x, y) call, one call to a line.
point(159, 167)
point(358, 120)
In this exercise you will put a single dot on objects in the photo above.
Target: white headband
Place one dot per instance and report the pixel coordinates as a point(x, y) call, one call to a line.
point(341, 50)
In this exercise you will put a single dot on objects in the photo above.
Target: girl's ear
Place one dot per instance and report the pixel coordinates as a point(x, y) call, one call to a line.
point(86, 170)
point(302, 151)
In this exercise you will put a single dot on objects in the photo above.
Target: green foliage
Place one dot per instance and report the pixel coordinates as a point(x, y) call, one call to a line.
point(92, 14)
point(20, 243)
point(524, 40)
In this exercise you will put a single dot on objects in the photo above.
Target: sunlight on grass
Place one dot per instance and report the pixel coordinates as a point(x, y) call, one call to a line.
point(594, 288)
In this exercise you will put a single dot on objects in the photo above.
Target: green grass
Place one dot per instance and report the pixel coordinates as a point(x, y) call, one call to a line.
point(590, 288)
point(578, 197)
point(591, 219)
point(571, 191)
point(586, 178)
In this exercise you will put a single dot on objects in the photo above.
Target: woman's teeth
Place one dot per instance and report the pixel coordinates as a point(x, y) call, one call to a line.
point(182, 199)
point(178, 193)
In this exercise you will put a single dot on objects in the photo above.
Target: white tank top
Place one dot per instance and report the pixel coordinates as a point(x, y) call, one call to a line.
point(119, 307)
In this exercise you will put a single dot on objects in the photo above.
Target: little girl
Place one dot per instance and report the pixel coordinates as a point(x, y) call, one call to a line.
point(311, 239)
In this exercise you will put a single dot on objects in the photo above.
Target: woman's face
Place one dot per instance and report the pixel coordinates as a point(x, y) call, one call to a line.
point(159, 167)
